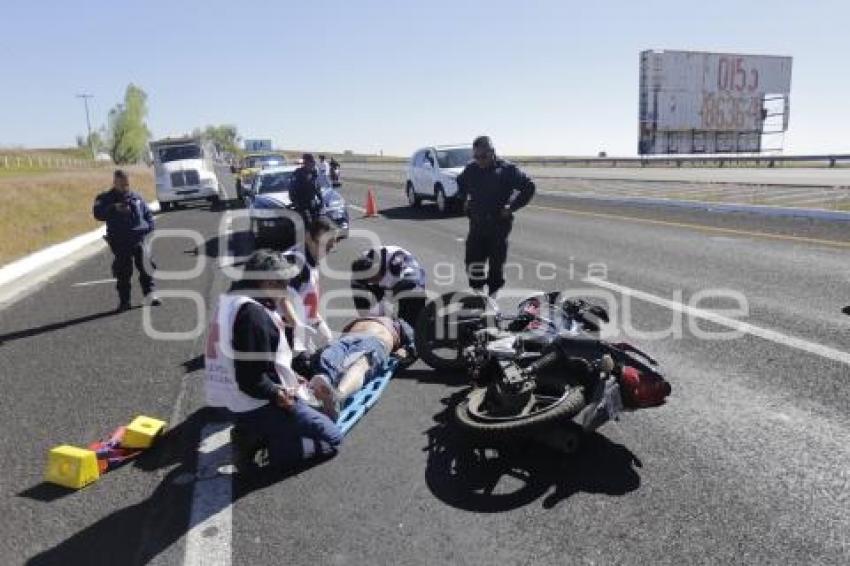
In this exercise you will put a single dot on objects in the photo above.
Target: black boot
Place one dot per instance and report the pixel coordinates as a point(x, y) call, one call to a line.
point(246, 445)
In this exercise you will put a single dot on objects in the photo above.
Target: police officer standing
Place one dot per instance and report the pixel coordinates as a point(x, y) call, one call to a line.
point(305, 193)
point(128, 220)
point(492, 189)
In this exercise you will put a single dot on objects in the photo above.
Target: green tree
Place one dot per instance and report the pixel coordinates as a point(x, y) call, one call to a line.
point(96, 143)
point(128, 132)
point(224, 137)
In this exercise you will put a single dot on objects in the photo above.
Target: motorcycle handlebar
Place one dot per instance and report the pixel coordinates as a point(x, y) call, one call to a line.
point(542, 363)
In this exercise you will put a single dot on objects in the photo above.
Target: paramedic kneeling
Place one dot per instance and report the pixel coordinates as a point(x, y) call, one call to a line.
point(386, 275)
point(248, 371)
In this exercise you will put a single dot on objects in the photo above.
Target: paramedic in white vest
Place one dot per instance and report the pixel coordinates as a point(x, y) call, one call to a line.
point(385, 274)
point(319, 239)
point(248, 371)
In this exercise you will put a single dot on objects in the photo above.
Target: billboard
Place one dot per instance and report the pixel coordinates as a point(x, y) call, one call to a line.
point(696, 102)
point(258, 145)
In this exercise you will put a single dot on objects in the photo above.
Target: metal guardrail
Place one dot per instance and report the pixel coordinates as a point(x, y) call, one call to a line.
point(30, 162)
point(830, 160)
point(677, 161)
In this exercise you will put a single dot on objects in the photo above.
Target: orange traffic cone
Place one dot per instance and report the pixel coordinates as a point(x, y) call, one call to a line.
point(371, 205)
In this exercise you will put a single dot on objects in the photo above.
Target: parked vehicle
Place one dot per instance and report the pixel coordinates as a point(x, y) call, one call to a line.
point(250, 165)
point(432, 175)
point(543, 371)
point(184, 169)
point(271, 210)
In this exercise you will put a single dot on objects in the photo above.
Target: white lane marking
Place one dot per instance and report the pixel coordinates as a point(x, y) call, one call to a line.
point(765, 333)
point(210, 537)
point(90, 283)
point(357, 208)
point(40, 265)
point(823, 198)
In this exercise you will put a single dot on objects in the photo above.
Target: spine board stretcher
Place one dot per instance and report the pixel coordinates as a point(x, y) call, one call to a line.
point(359, 404)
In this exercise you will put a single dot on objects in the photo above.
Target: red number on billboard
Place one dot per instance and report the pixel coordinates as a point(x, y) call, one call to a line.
point(754, 80)
point(739, 72)
point(732, 75)
point(722, 74)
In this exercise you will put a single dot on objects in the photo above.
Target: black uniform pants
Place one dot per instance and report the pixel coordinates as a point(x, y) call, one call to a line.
point(486, 252)
point(122, 269)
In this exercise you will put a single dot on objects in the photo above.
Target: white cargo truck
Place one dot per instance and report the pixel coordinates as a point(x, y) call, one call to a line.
point(185, 171)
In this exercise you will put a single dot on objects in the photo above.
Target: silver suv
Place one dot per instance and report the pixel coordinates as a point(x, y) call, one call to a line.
point(432, 174)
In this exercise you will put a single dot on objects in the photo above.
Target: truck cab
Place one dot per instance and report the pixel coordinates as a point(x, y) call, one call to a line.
point(184, 170)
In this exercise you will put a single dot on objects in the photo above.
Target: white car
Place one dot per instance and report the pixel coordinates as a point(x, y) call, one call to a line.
point(432, 174)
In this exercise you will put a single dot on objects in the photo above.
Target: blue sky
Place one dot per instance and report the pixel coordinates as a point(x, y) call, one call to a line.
point(541, 77)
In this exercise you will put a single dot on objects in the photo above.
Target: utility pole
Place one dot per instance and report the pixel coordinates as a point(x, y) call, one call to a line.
point(85, 98)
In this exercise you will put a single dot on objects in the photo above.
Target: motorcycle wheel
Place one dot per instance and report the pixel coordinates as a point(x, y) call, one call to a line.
point(443, 349)
point(471, 415)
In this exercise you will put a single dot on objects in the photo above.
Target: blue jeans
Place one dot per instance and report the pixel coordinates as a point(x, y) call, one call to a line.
point(293, 436)
point(331, 361)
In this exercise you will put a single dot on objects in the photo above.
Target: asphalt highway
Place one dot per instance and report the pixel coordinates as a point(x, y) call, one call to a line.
point(748, 462)
point(799, 176)
point(825, 189)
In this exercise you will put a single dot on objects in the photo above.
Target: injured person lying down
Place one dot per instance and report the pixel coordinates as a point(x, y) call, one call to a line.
point(345, 365)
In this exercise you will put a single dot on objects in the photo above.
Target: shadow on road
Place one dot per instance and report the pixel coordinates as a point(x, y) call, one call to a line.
point(425, 374)
point(138, 533)
point(38, 330)
point(424, 212)
point(194, 364)
point(237, 245)
point(492, 480)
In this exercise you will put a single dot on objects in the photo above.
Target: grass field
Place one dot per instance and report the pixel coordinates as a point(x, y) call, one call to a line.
point(40, 208)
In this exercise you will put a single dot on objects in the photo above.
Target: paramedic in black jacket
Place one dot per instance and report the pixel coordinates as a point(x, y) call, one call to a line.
point(492, 189)
point(128, 220)
point(293, 430)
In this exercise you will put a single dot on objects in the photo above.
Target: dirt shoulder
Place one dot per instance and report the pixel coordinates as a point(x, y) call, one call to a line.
point(40, 209)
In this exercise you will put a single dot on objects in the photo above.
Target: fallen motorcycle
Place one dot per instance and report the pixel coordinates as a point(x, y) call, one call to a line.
point(540, 372)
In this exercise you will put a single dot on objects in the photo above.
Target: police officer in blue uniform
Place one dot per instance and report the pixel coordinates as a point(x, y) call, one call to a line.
point(305, 192)
point(128, 221)
point(492, 190)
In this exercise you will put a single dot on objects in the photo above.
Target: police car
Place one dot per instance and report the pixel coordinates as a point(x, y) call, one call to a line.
point(252, 164)
point(271, 211)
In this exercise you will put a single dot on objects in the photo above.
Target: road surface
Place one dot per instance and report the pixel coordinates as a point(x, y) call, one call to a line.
point(747, 463)
point(825, 189)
